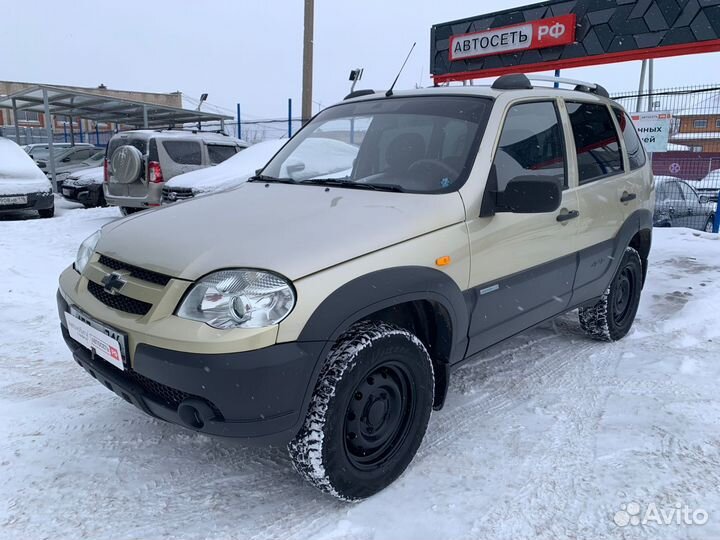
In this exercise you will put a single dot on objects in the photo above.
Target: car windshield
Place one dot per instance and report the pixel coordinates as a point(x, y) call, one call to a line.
point(420, 144)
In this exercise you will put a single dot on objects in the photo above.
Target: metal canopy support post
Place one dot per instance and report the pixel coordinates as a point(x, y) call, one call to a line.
point(51, 149)
point(289, 117)
point(239, 131)
point(651, 83)
point(145, 117)
point(557, 74)
point(72, 131)
point(15, 121)
point(641, 86)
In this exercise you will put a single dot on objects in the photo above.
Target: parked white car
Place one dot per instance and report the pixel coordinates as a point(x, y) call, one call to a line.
point(23, 186)
point(310, 157)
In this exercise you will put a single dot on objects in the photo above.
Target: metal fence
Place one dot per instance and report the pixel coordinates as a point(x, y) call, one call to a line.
point(687, 174)
point(31, 135)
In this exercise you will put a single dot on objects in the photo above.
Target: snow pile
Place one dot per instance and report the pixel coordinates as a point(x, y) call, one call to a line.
point(231, 172)
point(19, 175)
point(86, 177)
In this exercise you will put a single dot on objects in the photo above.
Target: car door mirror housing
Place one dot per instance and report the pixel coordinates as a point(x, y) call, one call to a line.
point(704, 199)
point(530, 195)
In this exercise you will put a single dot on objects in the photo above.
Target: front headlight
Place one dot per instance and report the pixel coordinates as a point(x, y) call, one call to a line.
point(239, 299)
point(85, 251)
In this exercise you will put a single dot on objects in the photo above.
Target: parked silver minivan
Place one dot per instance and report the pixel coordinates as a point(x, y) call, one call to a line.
point(138, 163)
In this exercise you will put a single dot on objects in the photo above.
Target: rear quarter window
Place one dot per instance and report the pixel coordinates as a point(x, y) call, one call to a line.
point(220, 152)
point(184, 152)
point(636, 153)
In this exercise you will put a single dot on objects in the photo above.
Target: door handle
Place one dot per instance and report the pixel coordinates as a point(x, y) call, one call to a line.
point(567, 215)
point(627, 197)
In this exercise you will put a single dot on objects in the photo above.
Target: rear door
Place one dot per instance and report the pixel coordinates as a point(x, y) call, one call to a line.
point(523, 265)
point(601, 178)
point(695, 215)
point(178, 156)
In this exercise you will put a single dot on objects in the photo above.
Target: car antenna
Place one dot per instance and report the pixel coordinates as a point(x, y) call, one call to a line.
point(390, 92)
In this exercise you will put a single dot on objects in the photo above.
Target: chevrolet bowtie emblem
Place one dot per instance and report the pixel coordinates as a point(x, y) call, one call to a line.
point(112, 283)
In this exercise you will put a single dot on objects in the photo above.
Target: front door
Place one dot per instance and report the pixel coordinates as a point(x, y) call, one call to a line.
point(523, 265)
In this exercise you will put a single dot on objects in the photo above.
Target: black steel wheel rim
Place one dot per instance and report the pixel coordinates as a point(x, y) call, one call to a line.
point(623, 294)
point(379, 415)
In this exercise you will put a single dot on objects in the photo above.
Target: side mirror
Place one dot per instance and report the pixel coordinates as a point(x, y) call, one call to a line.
point(295, 168)
point(704, 199)
point(530, 195)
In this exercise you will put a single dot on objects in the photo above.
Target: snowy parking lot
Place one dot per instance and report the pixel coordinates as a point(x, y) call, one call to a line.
point(548, 435)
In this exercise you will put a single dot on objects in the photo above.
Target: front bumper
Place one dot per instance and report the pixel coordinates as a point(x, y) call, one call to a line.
point(35, 201)
point(255, 395)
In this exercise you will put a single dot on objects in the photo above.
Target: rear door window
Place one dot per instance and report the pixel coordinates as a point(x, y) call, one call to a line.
point(184, 152)
point(220, 152)
point(596, 141)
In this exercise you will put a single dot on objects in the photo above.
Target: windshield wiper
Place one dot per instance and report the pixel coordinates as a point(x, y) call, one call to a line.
point(353, 185)
point(264, 178)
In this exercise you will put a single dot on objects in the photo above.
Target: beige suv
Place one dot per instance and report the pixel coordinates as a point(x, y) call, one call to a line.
point(326, 306)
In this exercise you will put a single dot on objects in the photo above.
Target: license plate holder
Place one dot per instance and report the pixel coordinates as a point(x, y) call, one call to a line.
point(12, 201)
point(101, 339)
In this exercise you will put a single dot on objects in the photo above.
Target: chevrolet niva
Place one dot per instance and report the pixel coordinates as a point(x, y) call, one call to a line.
point(326, 307)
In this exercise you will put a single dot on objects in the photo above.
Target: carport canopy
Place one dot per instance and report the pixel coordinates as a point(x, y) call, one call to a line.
point(61, 101)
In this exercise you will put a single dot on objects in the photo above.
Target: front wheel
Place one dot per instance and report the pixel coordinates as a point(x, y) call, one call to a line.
point(709, 224)
point(612, 316)
point(47, 212)
point(368, 413)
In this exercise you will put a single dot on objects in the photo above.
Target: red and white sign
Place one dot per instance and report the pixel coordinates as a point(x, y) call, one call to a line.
point(519, 37)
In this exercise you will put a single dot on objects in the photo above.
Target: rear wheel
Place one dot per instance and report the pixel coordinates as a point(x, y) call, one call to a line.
point(612, 316)
point(127, 210)
point(368, 414)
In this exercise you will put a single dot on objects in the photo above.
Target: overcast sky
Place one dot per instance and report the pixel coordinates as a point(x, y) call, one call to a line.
point(250, 51)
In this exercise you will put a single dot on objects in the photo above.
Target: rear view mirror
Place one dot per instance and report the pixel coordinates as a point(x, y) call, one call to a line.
point(704, 199)
point(530, 195)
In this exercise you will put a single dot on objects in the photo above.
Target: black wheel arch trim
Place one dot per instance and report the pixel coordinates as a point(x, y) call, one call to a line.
point(381, 289)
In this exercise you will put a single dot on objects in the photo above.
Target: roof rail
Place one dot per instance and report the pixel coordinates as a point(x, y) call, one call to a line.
point(580, 86)
point(520, 81)
point(358, 93)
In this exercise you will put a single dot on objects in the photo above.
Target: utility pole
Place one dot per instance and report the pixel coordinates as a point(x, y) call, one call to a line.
point(308, 61)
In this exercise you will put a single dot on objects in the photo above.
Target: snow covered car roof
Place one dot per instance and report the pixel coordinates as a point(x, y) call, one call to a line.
point(242, 166)
point(231, 172)
point(207, 136)
point(19, 175)
point(86, 177)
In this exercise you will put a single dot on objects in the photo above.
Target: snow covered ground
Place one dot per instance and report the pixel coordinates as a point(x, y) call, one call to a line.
point(546, 437)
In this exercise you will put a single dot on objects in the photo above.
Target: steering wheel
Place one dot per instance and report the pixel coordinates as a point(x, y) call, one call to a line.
point(426, 166)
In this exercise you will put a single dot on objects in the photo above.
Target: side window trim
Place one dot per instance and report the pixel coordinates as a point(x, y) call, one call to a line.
point(621, 139)
point(561, 125)
point(617, 135)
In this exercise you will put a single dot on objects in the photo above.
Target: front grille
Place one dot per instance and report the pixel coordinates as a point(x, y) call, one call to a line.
point(118, 301)
point(165, 394)
point(135, 271)
point(176, 194)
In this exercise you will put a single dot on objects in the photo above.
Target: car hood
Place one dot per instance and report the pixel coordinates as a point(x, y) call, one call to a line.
point(293, 230)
